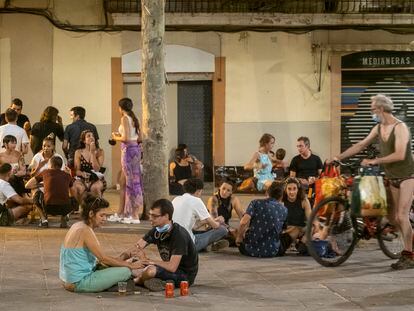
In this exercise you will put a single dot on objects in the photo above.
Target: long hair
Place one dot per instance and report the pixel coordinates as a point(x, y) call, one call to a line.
point(126, 105)
point(301, 193)
point(92, 204)
point(49, 114)
point(82, 137)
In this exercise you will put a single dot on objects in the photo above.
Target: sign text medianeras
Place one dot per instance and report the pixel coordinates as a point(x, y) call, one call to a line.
point(373, 61)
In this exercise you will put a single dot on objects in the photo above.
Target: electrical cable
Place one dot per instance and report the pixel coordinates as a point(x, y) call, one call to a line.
point(46, 13)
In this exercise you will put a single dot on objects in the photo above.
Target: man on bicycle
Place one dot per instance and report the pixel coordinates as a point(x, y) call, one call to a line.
point(394, 139)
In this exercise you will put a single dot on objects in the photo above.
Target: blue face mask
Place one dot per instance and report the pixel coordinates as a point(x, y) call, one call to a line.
point(163, 229)
point(376, 118)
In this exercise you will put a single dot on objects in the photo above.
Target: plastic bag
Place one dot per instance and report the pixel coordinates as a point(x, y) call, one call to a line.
point(330, 184)
point(369, 197)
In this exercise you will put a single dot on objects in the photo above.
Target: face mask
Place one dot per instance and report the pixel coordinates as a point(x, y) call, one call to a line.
point(163, 229)
point(376, 118)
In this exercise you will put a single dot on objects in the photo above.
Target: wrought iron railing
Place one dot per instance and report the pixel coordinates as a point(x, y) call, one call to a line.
point(269, 6)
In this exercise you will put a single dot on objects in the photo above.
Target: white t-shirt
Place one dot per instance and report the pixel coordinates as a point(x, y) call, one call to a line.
point(189, 209)
point(38, 157)
point(16, 131)
point(6, 191)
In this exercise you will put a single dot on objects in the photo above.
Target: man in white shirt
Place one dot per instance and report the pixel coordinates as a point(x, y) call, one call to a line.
point(189, 209)
point(11, 128)
point(12, 205)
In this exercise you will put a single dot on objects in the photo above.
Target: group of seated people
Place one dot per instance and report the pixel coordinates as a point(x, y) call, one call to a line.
point(46, 185)
point(182, 228)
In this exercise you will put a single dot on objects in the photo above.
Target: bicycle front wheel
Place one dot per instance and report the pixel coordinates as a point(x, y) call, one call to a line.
point(330, 232)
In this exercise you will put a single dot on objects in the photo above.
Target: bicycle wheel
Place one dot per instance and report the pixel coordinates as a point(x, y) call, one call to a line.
point(390, 241)
point(330, 233)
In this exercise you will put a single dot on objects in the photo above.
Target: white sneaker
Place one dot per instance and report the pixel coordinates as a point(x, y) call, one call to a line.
point(134, 221)
point(114, 218)
point(126, 220)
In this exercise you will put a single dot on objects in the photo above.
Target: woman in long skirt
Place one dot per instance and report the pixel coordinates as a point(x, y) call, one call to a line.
point(129, 134)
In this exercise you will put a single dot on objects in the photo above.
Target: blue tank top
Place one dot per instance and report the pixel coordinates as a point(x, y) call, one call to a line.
point(76, 264)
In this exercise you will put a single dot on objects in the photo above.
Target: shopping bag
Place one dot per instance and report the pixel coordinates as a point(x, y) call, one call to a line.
point(329, 184)
point(369, 197)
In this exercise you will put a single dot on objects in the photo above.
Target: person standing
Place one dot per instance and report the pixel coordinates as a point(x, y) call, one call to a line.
point(129, 134)
point(394, 139)
point(71, 137)
point(22, 119)
point(50, 122)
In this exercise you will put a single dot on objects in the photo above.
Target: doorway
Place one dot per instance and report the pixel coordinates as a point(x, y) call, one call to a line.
point(195, 121)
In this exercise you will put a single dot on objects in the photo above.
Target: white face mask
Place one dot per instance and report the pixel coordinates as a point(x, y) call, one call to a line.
point(376, 118)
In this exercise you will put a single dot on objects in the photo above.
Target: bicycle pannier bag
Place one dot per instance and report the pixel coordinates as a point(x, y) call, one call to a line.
point(369, 197)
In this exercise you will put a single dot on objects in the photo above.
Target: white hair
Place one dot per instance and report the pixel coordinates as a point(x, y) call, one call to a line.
point(383, 101)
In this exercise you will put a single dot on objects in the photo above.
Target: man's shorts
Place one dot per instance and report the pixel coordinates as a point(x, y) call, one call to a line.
point(58, 209)
point(176, 277)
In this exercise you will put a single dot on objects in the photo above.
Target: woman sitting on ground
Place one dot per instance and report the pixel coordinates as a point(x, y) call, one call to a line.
point(16, 160)
point(299, 210)
point(180, 171)
point(81, 251)
point(222, 204)
point(261, 163)
point(89, 159)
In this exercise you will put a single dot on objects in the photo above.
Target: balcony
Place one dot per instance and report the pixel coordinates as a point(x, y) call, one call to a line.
point(270, 6)
point(272, 15)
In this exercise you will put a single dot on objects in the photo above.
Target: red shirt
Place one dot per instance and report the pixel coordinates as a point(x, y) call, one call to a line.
point(56, 183)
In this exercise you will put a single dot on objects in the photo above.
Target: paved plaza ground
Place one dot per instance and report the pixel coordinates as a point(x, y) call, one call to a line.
point(29, 262)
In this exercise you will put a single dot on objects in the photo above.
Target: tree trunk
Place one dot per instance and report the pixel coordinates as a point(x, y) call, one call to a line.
point(154, 125)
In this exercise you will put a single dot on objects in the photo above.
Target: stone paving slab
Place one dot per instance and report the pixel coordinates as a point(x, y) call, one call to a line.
point(29, 260)
point(29, 263)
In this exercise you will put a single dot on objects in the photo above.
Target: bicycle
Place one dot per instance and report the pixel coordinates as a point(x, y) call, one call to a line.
point(333, 230)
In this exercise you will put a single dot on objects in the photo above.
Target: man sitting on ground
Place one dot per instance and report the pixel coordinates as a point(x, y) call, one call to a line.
point(57, 184)
point(260, 228)
point(177, 251)
point(189, 209)
point(12, 205)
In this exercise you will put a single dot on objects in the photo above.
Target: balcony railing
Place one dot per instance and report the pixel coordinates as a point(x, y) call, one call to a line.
point(270, 6)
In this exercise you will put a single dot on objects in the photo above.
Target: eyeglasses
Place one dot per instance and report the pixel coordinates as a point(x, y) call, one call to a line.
point(154, 215)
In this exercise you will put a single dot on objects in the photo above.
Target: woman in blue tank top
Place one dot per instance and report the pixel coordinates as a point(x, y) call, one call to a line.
point(262, 161)
point(81, 252)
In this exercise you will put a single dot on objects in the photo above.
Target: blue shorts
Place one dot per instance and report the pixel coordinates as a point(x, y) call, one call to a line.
point(176, 277)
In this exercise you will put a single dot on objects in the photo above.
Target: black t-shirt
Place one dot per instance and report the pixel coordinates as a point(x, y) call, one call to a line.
point(42, 129)
point(177, 242)
point(306, 168)
point(21, 119)
point(73, 132)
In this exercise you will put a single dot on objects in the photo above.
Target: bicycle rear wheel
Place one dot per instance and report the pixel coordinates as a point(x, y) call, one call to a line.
point(390, 241)
point(330, 232)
